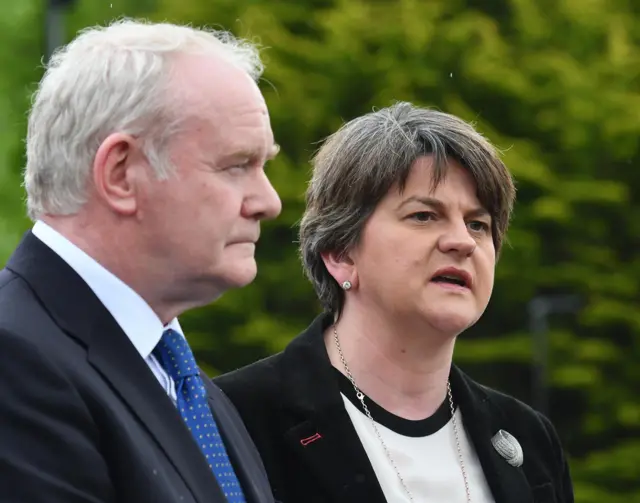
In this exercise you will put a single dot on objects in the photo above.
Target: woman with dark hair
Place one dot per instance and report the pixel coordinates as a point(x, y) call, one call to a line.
point(407, 210)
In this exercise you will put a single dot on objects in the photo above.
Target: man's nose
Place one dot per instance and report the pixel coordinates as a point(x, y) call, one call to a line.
point(265, 203)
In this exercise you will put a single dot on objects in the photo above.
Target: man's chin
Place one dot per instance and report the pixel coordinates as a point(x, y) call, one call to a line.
point(243, 274)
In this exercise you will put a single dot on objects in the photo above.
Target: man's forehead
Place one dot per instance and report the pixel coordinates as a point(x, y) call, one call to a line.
point(246, 142)
point(215, 86)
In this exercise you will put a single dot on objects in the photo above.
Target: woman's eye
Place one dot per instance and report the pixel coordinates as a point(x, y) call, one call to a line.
point(422, 216)
point(479, 226)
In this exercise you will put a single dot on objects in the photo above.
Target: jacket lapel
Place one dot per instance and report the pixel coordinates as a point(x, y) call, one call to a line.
point(78, 312)
point(324, 438)
point(122, 366)
point(482, 420)
point(242, 453)
point(330, 448)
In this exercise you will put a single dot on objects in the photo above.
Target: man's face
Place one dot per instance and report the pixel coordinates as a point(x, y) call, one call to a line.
point(204, 221)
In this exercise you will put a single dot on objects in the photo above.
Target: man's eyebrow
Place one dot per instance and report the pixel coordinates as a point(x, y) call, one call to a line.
point(247, 154)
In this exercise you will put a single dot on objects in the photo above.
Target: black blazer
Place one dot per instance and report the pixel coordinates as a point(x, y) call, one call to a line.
point(82, 418)
point(292, 407)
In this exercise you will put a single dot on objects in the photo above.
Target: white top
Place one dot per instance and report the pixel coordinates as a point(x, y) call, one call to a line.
point(425, 453)
point(137, 320)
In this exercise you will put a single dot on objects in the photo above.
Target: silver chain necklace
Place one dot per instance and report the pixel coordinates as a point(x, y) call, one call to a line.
point(360, 396)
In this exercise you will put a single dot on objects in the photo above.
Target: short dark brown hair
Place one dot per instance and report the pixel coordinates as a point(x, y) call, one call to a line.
point(357, 166)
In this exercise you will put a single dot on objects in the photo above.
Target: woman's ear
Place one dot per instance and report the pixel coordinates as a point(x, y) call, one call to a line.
point(342, 268)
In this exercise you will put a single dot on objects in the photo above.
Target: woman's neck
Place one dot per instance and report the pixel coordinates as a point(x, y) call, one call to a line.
point(401, 366)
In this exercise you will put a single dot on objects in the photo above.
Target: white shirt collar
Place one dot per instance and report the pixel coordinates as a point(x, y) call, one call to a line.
point(131, 312)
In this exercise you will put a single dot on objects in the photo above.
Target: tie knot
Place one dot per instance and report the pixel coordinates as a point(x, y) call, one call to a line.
point(175, 355)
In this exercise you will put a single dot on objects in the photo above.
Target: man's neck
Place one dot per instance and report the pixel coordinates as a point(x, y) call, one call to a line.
point(117, 256)
point(402, 368)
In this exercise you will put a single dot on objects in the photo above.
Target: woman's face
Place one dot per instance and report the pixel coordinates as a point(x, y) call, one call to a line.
point(427, 255)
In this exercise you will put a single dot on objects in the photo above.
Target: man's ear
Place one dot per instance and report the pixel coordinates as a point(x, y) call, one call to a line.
point(341, 267)
point(115, 173)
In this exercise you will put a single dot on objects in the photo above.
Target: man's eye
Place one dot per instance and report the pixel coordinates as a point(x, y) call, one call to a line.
point(239, 167)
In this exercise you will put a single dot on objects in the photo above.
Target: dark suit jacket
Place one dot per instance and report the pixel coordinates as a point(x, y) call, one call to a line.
point(292, 407)
point(82, 418)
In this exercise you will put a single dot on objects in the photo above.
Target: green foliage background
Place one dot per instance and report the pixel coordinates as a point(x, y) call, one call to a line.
point(554, 83)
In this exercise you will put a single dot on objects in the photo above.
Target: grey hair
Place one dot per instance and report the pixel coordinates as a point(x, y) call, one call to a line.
point(357, 166)
point(111, 79)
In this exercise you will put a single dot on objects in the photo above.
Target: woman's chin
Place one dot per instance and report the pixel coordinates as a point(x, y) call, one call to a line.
point(450, 324)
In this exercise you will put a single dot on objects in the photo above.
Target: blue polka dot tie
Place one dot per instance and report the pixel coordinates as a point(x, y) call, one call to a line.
point(175, 355)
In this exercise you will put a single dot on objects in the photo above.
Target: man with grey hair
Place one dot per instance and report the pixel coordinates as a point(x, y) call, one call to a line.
point(145, 178)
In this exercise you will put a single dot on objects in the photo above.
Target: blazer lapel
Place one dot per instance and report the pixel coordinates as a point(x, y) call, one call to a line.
point(325, 438)
point(78, 312)
point(244, 458)
point(330, 448)
point(482, 420)
point(122, 366)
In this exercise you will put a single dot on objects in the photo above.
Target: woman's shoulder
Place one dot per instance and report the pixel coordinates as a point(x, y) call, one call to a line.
point(517, 410)
point(261, 380)
point(256, 379)
point(539, 439)
point(529, 425)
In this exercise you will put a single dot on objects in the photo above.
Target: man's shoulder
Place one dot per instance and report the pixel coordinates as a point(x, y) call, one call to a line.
point(26, 325)
point(6, 278)
point(19, 306)
point(10, 283)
